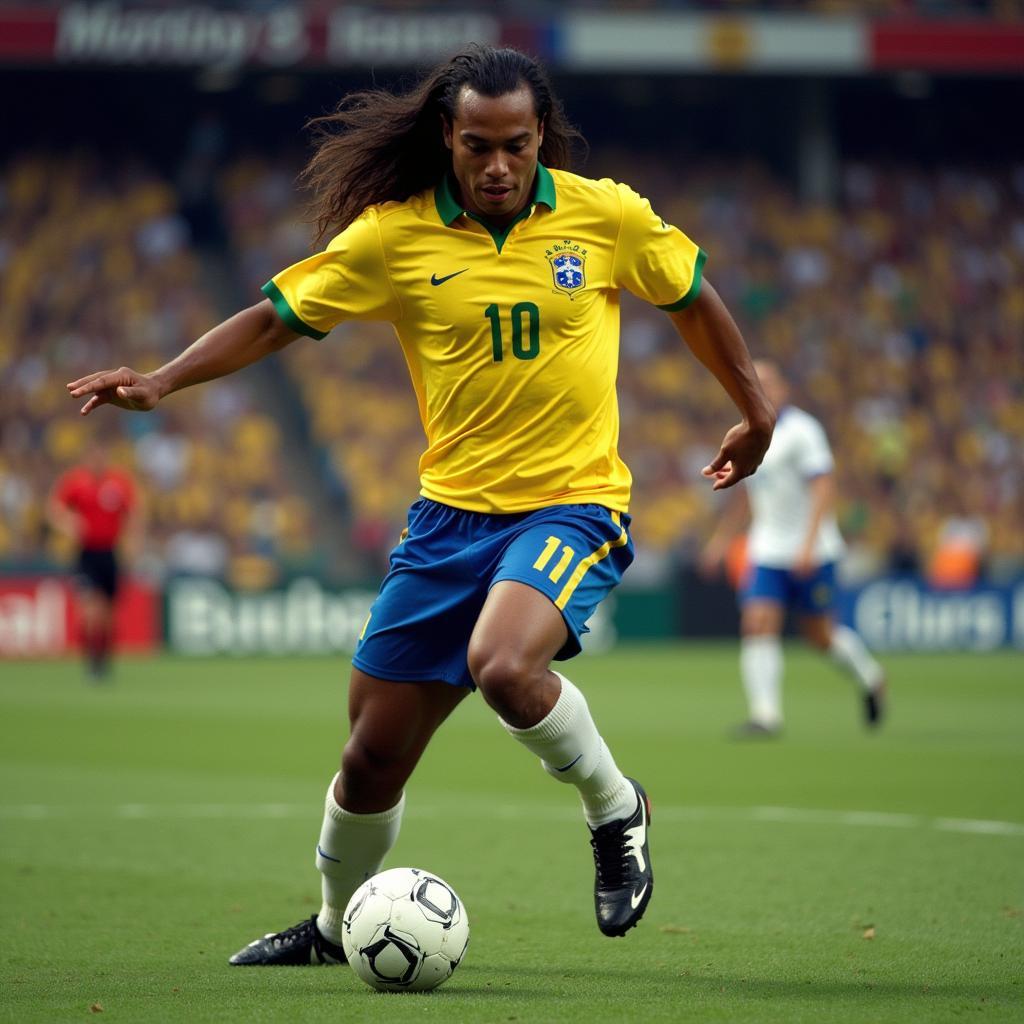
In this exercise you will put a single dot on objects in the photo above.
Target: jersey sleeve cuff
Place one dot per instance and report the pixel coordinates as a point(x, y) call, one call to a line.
point(287, 314)
point(698, 276)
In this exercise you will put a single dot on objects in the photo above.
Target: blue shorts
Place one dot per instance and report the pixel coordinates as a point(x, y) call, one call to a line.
point(811, 595)
point(448, 559)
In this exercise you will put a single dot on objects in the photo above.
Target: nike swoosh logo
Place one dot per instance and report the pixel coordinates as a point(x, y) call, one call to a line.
point(570, 764)
point(634, 900)
point(635, 839)
point(435, 280)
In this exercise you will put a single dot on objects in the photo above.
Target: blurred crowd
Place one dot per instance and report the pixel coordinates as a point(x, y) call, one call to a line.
point(96, 270)
point(898, 314)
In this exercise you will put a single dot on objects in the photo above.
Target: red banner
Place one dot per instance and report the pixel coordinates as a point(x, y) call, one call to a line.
point(27, 35)
point(39, 618)
point(948, 46)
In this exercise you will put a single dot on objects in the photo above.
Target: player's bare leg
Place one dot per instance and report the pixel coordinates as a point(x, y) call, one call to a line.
point(517, 635)
point(390, 726)
point(849, 651)
point(761, 666)
point(97, 612)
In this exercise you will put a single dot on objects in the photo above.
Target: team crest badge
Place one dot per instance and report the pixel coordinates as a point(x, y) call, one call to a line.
point(568, 269)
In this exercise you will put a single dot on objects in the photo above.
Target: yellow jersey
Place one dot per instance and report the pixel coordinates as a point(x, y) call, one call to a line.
point(511, 335)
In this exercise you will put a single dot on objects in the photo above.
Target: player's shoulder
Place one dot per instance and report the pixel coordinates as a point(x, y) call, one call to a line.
point(598, 191)
point(799, 422)
point(117, 477)
point(800, 417)
point(73, 477)
point(373, 219)
point(416, 207)
point(604, 201)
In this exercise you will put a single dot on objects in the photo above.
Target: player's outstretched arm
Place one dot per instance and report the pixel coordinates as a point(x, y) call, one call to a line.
point(243, 339)
point(713, 337)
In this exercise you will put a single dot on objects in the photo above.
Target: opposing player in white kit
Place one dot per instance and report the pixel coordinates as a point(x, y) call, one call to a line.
point(792, 549)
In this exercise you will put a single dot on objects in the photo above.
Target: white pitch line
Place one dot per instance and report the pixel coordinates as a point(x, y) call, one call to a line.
point(211, 811)
point(976, 827)
point(519, 812)
point(801, 816)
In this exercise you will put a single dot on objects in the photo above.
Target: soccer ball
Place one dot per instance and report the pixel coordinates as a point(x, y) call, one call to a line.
point(405, 930)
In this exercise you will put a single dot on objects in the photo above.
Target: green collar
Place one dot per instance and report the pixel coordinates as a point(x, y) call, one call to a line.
point(449, 209)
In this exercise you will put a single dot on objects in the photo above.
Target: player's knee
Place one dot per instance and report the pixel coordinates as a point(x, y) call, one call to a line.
point(367, 767)
point(758, 620)
point(819, 637)
point(504, 679)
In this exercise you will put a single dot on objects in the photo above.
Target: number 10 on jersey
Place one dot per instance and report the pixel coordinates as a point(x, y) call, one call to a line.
point(525, 319)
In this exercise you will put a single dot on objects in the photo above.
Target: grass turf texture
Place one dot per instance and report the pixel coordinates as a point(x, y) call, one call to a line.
point(153, 826)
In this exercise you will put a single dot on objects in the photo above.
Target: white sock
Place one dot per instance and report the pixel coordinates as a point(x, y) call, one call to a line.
point(761, 669)
point(352, 848)
point(850, 652)
point(571, 750)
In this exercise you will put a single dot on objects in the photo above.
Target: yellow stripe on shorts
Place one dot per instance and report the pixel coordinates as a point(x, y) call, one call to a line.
point(592, 559)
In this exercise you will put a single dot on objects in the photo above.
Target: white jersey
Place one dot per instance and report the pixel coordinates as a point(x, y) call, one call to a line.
point(780, 498)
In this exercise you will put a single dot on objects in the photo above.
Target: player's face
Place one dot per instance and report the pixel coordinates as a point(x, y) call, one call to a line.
point(494, 141)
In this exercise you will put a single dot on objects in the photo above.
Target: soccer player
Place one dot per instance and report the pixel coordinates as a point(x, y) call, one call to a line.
point(457, 222)
point(95, 504)
point(792, 549)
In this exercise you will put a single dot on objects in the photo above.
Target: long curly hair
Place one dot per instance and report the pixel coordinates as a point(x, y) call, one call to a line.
point(378, 146)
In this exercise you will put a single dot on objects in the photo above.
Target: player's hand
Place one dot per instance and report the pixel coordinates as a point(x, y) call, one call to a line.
point(741, 453)
point(124, 388)
point(804, 564)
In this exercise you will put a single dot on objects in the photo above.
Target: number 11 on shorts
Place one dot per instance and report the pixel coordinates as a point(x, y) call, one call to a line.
point(552, 545)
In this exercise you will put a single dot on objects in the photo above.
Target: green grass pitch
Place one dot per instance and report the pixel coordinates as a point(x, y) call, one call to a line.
point(151, 827)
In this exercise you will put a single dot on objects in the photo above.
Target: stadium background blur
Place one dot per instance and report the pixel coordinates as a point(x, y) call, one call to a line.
point(854, 170)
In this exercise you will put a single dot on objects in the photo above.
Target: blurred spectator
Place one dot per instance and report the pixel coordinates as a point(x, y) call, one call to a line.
point(199, 549)
point(95, 505)
point(956, 561)
point(98, 269)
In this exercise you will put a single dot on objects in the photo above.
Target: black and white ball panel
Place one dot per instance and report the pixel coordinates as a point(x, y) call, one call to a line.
point(437, 901)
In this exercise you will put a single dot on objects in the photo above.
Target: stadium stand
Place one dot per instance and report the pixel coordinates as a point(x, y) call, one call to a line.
point(130, 289)
point(897, 313)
